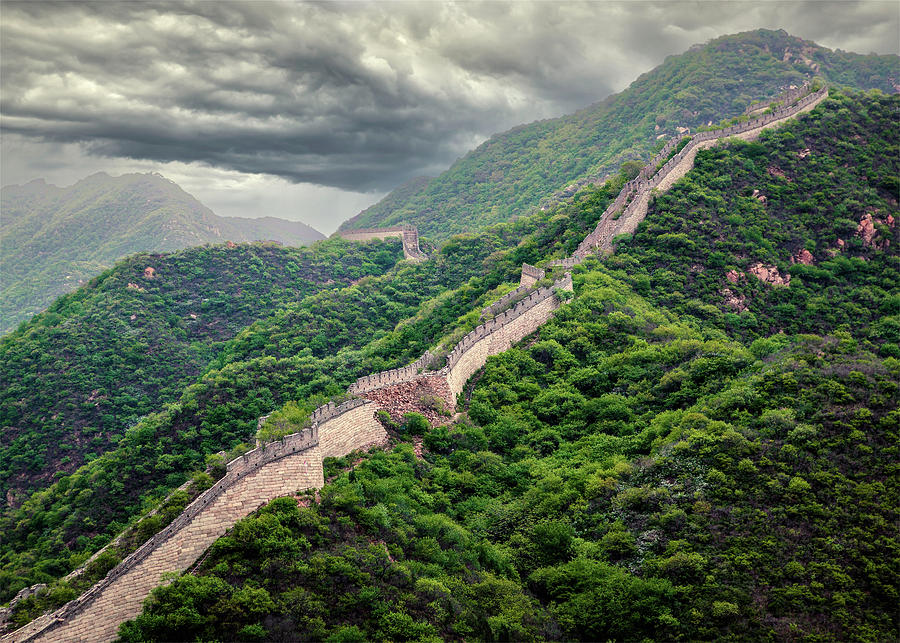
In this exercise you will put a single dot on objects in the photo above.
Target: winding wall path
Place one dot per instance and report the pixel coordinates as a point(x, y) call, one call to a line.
point(277, 469)
point(295, 462)
point(629, 208)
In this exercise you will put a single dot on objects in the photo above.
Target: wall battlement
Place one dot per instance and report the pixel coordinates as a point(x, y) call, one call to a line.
point(393, 376)
point(275, 469)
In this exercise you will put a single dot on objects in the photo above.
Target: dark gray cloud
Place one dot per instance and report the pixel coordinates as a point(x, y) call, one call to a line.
point(355, 96)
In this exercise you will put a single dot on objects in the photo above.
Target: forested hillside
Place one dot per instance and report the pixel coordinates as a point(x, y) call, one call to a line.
point(55, 239)
point(519, 169)
point(377, 323)
point(700, 445)
point(79, 375)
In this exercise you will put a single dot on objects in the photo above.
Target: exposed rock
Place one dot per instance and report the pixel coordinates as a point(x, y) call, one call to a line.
point(683, 130)
point(734, 301)
point(805, 257)
point(418, 449)
point(734, 276)
point(774, 171)
point(230, 244)
point(769, 274)
point(759, 196)
point(133, 286)
point(149, 272)
point(867, 230)
point(804, 153)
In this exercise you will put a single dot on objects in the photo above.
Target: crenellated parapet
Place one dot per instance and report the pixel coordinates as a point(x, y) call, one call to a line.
point(271, 470)
point(392, 376)
point(470, 353)
point(294, 462)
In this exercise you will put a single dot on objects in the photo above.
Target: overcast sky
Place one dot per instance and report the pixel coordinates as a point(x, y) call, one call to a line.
point(313, 111)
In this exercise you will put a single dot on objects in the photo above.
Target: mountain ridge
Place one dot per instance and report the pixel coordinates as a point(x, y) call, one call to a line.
point(517, 170)
point(104, 218)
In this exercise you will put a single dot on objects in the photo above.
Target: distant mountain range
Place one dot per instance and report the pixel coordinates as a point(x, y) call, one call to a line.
point(532, 165)
point(54, 239)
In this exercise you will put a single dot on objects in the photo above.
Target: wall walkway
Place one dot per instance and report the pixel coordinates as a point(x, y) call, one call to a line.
point(630, 207)
point(280, 468)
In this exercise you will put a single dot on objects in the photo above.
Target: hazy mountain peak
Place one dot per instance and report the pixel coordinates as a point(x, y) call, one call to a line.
point(56, 238)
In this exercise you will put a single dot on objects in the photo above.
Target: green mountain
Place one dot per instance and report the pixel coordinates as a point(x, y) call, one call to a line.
point(691, 449)
point(77, 376)
point(55, 239)
point(700, 444)
point(520, 169)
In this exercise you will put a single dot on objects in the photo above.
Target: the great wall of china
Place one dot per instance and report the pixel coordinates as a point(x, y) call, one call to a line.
point(295, 462)
point(408, 234)
point(278, 469)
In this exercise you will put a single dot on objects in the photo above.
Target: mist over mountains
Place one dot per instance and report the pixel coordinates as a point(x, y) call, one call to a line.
point(55, 239)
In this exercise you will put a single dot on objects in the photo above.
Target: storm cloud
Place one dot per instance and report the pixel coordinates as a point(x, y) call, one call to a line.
point(356, 96)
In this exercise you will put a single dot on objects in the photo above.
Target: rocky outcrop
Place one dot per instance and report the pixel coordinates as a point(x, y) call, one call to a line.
point(867, 230)
point(769, 274)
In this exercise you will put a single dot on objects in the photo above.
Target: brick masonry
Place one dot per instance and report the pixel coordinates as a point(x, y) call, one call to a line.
point(277, 469)
point(630, 207)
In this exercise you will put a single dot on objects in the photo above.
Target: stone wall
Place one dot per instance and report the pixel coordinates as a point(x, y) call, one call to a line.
point(353, 428)
point(470, 353)
point(629, 208)
point(784, 98)
point(530, 275)
point(500, 333)
point(474, 355)
point(276, 469)
point(392, 376)
point(295, 462)
point(409, 235)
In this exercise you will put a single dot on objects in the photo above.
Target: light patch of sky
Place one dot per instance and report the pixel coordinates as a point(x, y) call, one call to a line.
point(225, 192)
